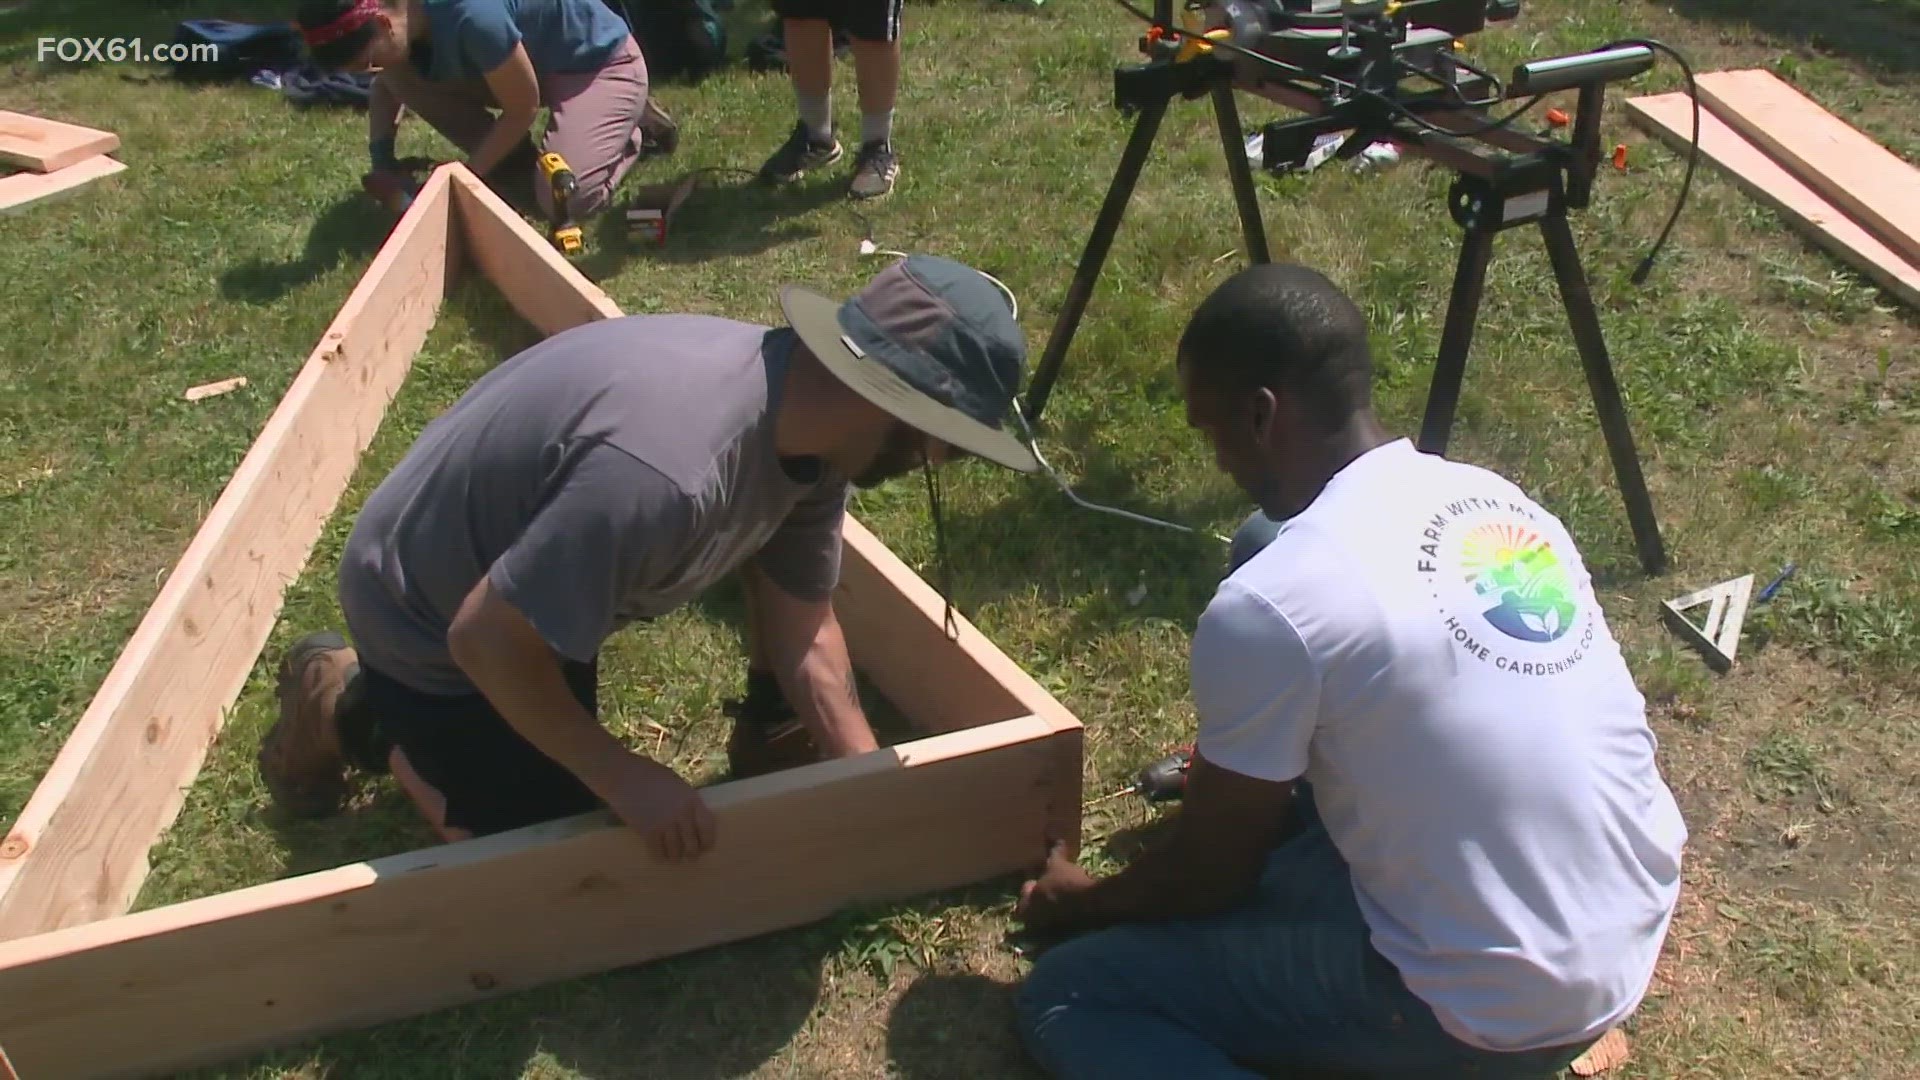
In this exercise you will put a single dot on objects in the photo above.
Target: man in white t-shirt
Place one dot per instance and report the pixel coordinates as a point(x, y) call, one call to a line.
point(1424, 833)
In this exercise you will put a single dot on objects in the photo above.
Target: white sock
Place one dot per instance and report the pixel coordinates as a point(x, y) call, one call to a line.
point(876, 127)
point(816, 111)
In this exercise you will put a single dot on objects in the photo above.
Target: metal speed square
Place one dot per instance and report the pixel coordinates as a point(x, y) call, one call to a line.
point(1719, 638)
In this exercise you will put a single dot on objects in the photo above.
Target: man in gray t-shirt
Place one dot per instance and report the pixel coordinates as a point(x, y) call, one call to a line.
point(613, 473)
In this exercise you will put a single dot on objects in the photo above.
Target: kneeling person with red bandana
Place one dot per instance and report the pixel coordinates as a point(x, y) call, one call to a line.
point(452, 61)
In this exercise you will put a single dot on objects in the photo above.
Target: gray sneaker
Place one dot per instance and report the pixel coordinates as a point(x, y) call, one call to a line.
point(798, 156)
point(874, 171)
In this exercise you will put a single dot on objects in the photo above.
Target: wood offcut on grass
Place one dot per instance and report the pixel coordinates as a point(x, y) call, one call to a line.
point(1772, 390)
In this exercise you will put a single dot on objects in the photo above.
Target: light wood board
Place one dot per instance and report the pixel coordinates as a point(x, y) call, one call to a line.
point(1669, 117)
point(538, 283)
point(214, 389)
point(21, 190)
point(210, 980)
point(44, 146)
point(78, 851)
point(90, 991)
point(1850, 170)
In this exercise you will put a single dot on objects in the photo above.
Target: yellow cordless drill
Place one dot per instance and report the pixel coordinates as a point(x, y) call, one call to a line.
point(566, 234)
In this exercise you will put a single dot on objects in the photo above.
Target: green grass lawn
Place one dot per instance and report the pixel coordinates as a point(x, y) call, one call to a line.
point(1774, 396)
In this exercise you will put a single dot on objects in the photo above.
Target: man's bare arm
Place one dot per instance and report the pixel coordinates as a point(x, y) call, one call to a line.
point(1227, 825)
point(517, 89)
point(803, 646)
point(383, 112)
point(509, 662)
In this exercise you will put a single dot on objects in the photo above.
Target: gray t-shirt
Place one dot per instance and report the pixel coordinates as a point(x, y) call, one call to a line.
point(610, 473)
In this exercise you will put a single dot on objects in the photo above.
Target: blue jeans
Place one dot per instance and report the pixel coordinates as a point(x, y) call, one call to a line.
point(1288, 981)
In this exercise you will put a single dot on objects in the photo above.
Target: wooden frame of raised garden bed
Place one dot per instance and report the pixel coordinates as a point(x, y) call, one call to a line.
point(92, 991)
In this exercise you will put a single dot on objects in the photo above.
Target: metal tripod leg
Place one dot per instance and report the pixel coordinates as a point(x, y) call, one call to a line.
point(1585, 321)
point(1132, 160)
point(1234, 142)
point(1456, 339)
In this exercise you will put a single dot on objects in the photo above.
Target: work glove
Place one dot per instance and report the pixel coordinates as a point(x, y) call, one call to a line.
point(394, 181)
point(396, 184)
point(391, 189)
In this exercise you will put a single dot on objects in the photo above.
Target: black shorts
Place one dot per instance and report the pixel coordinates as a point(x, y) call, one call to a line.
point(863, 20)
point(493, 779)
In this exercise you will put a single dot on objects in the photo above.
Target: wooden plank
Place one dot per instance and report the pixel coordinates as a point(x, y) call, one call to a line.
point(44, 146)
point(1852, 171)
point(204, 981)
point(893, 620)
point(21, 190)
point(897, 637)
point(1669, 117)
point(211, 980)
point(78, 850)
point(536, 281)
point(215, 389)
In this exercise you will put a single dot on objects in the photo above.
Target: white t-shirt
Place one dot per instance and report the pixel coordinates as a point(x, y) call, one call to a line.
point(1424, 646)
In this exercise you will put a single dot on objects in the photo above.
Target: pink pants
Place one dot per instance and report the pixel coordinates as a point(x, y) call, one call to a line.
point(593, 117)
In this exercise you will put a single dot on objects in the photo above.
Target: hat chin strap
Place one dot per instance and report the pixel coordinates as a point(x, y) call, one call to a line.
point(940, 551)
point(1011, 302)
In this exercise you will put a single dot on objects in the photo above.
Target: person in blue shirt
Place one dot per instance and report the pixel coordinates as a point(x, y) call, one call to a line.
point(479, 71)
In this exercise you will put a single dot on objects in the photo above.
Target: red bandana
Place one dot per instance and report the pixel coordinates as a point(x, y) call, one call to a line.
point(350, 20)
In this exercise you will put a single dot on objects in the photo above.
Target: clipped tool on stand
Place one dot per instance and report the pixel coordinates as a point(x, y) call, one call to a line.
point(565, 233)
point(1163, 781)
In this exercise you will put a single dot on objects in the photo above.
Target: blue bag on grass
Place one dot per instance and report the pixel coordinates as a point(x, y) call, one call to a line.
point(240, 49)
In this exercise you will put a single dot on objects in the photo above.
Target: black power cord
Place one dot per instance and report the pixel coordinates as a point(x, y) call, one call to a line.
point(1693, 151)
point(1424, 123)
point(866, 224)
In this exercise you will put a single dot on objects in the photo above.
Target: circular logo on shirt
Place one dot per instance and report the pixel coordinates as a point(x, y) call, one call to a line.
point(1502, 590)
point(1514, 569)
